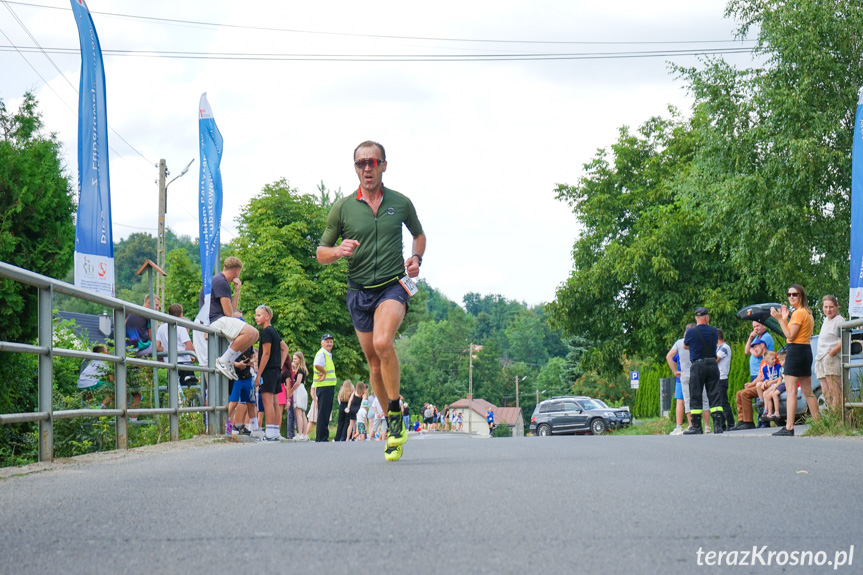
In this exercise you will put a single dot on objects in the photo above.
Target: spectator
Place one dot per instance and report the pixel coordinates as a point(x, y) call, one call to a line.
point(701, 342)
point(362, 413)
point(406, 412)
point(489, 417)
point(756, 349)
point(378, 430)
point(94, 377)
point(184, 343)
point(300, 395)
point(225, 318)
point(285, 399)
point(774, 387)
point(139, 342)
point(680, 407)
point(769, 372)
point(828, 366)
point(759, 333)
point(797, 328)
point(271, 350)
point(344, 398)
point(325, 384)
point(360, 393)
point(428, 414)
point(363, 417)
point(723, 358)
point(241, 403)
point(684, 374)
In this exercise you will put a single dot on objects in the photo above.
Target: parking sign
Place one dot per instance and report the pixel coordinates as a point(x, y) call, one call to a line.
point(633, 379)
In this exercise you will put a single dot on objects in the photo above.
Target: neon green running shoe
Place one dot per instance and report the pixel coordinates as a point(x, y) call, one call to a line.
point(393, 453)
point(397, 435)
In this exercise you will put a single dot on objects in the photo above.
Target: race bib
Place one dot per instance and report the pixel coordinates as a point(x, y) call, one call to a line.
point(409, 286)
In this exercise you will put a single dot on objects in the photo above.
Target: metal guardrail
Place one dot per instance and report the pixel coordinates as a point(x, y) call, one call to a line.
point(848, 364)
point(214, 386)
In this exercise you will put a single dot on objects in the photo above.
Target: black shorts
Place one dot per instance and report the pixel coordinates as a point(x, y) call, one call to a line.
point(362, 303)
point(270, 380)
point(798, 360)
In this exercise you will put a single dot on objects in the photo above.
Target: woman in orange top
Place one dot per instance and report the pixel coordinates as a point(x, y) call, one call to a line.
point(798, 361)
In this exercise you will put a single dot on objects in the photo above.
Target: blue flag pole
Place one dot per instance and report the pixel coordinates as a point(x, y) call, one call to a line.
point(209, 196)
point(94, 243)
point(855, 299)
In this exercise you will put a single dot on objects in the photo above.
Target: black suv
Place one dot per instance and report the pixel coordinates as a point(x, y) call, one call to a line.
point(574, 414)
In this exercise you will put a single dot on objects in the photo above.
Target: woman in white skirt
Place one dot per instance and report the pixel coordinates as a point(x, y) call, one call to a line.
point(828, 365)
point(300, 396)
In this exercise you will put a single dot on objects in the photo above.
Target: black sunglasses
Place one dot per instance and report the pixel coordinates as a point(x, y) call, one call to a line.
point(368, 163)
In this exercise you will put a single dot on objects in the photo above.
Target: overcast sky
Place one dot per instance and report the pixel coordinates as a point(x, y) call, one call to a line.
point(479, 146)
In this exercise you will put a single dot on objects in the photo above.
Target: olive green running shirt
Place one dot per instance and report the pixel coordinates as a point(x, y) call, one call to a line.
point(379, 257)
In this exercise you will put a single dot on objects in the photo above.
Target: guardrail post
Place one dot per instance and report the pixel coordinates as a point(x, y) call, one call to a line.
point(846, 371)
point(46, 374)
point(120, 398)
point(213, 379)
point(173, 382)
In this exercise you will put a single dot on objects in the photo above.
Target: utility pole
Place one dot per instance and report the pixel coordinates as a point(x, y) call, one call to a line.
point(517, 381)
point(470, 390)
point(160, 239)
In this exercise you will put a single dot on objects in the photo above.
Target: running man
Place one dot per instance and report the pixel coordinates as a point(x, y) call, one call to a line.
point(369, 224)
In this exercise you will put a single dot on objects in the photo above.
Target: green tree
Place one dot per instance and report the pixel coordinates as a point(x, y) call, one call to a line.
point(183, 284)
point(775, 157)
point(526, 335)
point(434, 362)
point(36, 207)
point(644, 260)
point(278, 233)
point(129, 255)
point(728, 207)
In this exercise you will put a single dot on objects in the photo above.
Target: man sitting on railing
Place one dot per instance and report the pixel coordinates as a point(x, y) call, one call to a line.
point(224, 316)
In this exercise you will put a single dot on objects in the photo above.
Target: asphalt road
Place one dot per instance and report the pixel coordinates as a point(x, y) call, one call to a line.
point(453, 504)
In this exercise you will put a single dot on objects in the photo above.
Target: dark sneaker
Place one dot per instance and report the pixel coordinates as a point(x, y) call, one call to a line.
point(742, 426)
point(784, 432)
point(397, 435)
point(243, 430)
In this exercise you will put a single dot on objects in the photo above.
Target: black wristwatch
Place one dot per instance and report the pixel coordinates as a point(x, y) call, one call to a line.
point(419, 257)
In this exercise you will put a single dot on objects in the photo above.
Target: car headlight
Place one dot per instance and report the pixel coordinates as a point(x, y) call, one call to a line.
point(609, 414)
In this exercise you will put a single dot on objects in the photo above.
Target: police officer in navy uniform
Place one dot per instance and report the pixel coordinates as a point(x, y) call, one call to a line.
point(701, 342)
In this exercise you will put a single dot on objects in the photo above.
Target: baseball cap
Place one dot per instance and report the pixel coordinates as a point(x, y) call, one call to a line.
point(701, 311)
point(326, 336)
point(758, 341)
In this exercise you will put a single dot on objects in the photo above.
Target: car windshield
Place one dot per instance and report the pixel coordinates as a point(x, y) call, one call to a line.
point(591, 404)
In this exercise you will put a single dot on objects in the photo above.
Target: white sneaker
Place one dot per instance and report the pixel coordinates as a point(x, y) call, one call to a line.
point(677, 431)
point(706, 430)
point(225, 369)
point(258, 434)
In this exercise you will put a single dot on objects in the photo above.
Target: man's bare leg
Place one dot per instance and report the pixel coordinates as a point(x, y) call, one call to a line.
point(388, 317)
